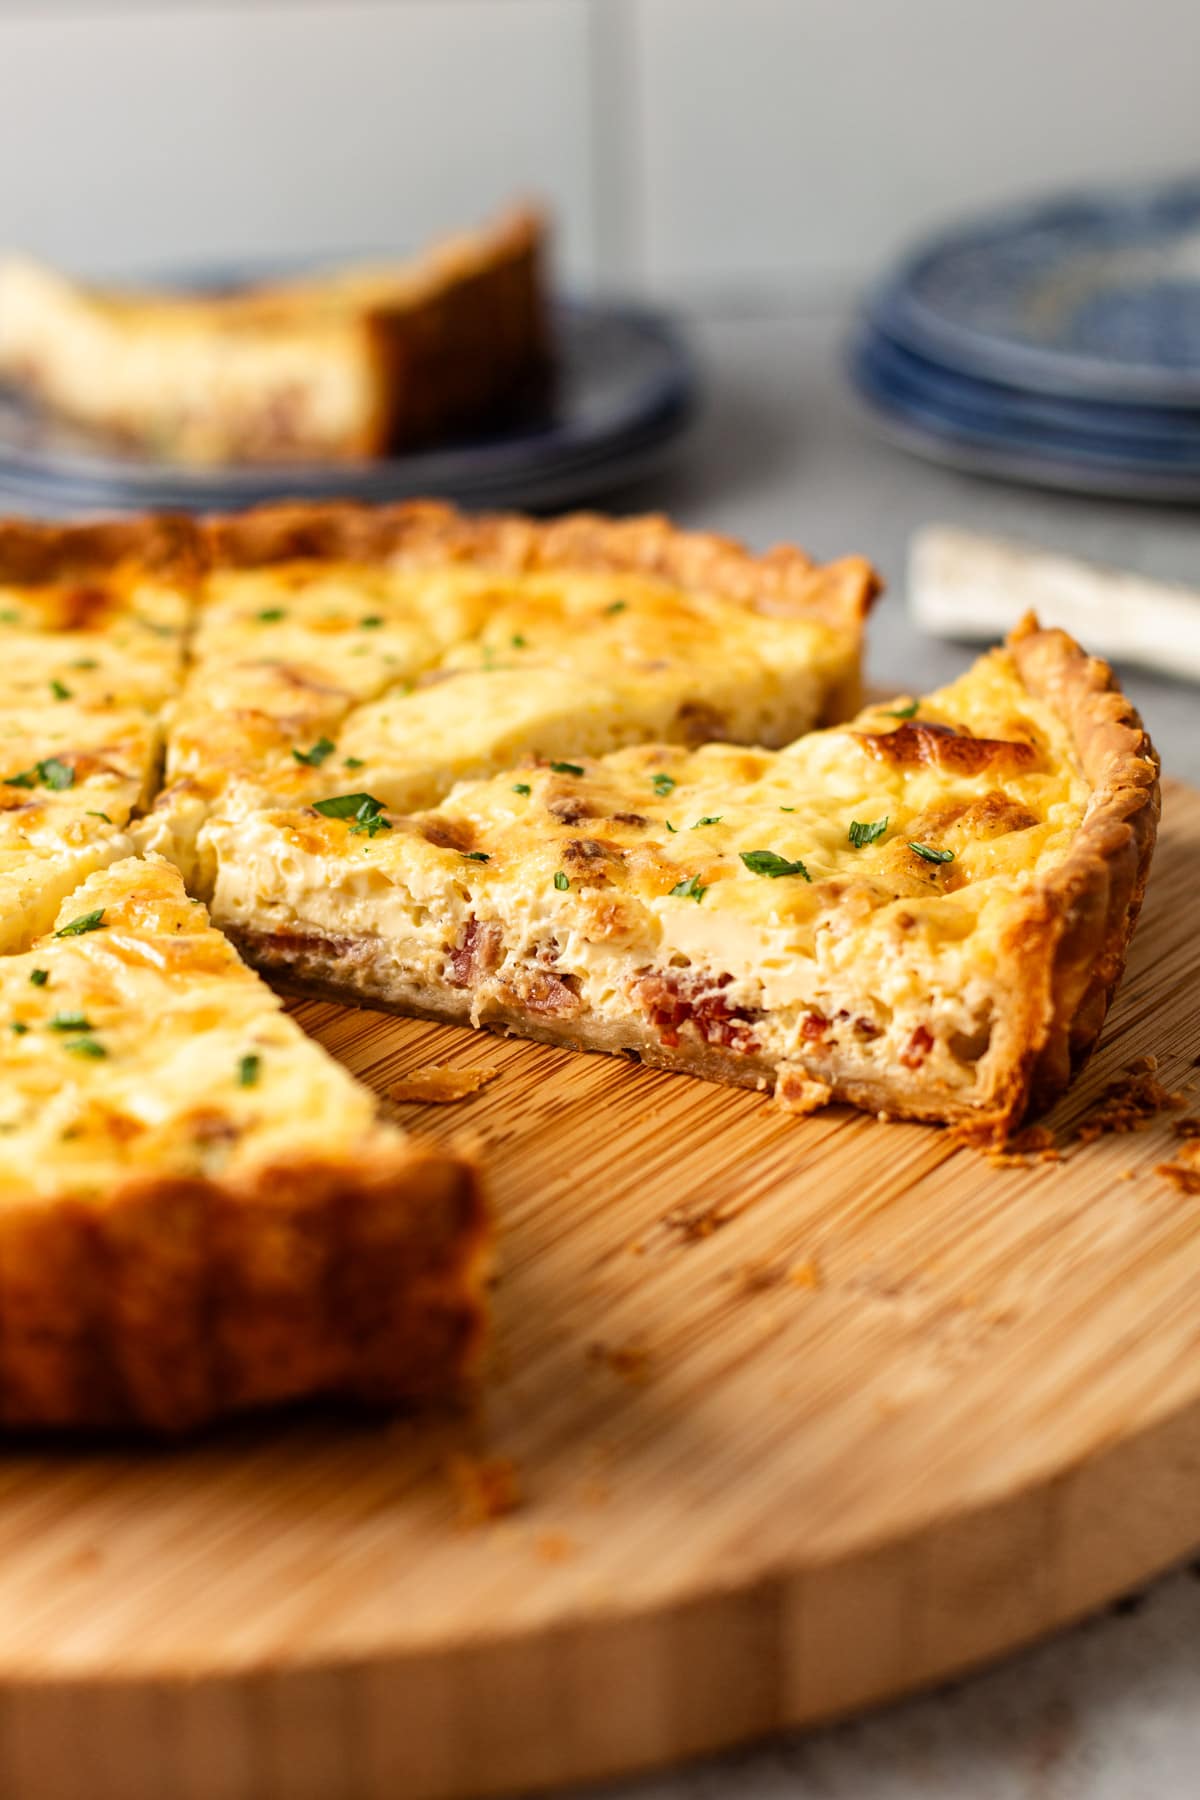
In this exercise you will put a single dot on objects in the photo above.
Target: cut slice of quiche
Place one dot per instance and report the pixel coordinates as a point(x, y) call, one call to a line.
point(93, 624)
point(338, 365)
point(923, 913)
point(199, 1210)
point(402, 649)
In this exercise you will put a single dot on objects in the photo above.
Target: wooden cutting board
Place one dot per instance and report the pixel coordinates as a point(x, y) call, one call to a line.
point(804, 1413)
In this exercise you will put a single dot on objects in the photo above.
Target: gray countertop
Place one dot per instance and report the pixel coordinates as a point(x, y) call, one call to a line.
point(1111, 1710)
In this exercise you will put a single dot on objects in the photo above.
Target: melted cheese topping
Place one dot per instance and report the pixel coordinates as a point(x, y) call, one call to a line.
point(146, 1045)
point(633, 865)
point(403, 681)
point(86, 670)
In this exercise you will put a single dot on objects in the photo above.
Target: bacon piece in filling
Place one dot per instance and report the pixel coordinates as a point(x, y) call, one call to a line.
point(673, 998)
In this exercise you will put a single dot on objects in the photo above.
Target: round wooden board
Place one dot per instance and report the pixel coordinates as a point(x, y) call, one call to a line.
point(805, 1413)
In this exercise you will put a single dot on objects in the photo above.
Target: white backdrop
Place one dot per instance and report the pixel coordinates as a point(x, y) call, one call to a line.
point(710, 148)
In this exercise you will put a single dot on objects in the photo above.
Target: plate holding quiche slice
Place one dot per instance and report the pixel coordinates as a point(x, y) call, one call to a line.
point(588, 781)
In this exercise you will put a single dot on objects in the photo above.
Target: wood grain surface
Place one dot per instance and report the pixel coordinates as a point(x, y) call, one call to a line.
point(803, 1413)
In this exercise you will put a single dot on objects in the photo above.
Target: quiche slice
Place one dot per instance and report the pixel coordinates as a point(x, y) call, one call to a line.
point(345, 364)
point(93, 622)
point(199, 1210)
point(405, 648)
point(923, 913)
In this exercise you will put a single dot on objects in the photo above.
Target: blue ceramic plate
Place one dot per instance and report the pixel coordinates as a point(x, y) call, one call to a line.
point(1094, 296)
point(625, 388)
point(986, 429)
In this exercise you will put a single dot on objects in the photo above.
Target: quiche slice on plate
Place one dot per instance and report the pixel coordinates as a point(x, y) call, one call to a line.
point(201, 1211)
point(923, 913)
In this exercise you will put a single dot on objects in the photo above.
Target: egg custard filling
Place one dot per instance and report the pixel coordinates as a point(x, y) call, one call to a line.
point(922, 912)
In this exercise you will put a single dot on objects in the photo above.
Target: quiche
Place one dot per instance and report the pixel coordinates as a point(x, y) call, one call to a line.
point(335, 366)
point(199, 1210)
point(403, 649)
point(598, 782)
point(92, 629)
point(923, 912)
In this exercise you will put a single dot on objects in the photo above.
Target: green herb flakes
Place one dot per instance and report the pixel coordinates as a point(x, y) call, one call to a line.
point(70, 1021)
point(562, 881)
point(708, 819)
point(930, 855)
point(903, 712)
point(86, 1046)
point(249, 1069)
point(690, 889)
point(476, 856)
point(271, 615)
point(60, 690)
point(767, 862)
point(522, 787)
point(39, 977)
point(89, 921)
point(316, 756)
point(663, 783)
point(861, 835)
point(564, 768)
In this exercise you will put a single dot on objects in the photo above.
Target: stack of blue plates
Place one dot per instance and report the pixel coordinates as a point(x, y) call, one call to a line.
point(1058, 345)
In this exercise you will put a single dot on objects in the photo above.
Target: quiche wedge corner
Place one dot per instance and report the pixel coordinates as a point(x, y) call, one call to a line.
point(923, 913)
point(201, 1212)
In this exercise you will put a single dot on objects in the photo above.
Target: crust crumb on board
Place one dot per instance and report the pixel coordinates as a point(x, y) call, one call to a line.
point(798, 1093)
point(1129, 1103)
point(630, 1361)
point(440, 1085)
point(1183, 1170)
point(555, 1547)
point(1036, 1141)
point(488, 1487)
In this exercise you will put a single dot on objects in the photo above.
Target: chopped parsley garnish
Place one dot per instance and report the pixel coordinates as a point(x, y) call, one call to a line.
point(669, 826)
point(70, 1021)
point(89, 921)
point(86, 1046)
point(18, 1028)
point(476, 856)
point(929, 854)
point(518, 642)
point(371, 824)
point(616, 606)
point(99, 815)
point(521, 787)
point(562, 881)
point(271, 615)
point(372, 622)
point(60, 690)
point(349, 806)
point(50, 773)
point(352, 762)
point(316, 756)
point(249, 1069)
point(787, 809)
point(663, 783)
point(84, 662)
point(690, 889)
point(861, 834)
point(561, 768)
point(903, 712)
point(39, 977)
point(708, 819)
point(767, 862)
